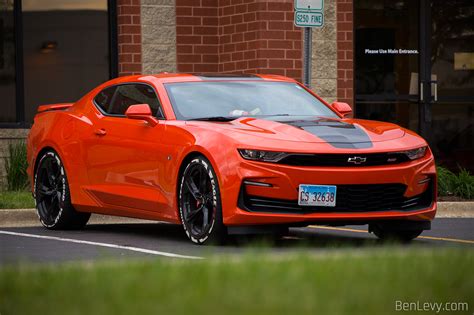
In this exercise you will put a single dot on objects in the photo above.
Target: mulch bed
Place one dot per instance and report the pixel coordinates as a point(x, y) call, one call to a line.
point(452, 198)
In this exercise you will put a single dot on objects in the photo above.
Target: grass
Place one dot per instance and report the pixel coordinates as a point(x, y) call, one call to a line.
point(16, 163)
point(338, 282)
point(16, 200)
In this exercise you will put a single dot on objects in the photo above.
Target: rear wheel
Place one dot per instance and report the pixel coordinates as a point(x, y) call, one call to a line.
point(200, 203)
point(52, 196)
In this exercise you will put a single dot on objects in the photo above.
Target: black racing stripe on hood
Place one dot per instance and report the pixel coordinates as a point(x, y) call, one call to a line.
point(336, 133)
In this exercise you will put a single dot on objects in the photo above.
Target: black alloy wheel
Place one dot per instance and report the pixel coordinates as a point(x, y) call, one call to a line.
point(199, 203)
point(52, 196)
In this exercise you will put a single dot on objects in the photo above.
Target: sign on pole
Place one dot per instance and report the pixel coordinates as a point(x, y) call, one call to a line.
point(309, 5)
point(309, 19)
point(308, 14)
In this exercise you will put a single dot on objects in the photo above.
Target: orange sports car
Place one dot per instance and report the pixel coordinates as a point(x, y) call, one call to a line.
point(226, 155)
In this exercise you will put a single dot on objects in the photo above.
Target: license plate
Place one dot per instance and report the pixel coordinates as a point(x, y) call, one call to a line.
point(317, 195)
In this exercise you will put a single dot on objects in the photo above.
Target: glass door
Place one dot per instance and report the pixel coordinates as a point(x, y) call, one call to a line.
point(447, 80)
point(387, 61)
point(414, 66)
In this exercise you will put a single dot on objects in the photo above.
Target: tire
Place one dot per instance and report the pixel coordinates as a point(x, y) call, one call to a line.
point(199, 203)
point(282, 232)
point(52, 195)
point(396, 235)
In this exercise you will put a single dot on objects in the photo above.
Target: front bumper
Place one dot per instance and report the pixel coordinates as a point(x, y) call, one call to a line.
point(418, 179)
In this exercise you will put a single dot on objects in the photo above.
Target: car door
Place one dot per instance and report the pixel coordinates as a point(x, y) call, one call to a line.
point(123, 156)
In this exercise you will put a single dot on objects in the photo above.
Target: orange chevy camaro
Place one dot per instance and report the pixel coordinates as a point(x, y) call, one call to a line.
point(226, 155)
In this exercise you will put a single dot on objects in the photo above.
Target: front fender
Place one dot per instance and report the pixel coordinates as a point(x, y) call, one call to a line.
point(219, 149)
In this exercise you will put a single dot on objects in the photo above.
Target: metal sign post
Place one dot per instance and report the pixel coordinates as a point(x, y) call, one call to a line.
point(308, 14)
point(307, 56)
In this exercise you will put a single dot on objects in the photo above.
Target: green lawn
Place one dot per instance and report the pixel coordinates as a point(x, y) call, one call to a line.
point(16, 200)
point(359, 281)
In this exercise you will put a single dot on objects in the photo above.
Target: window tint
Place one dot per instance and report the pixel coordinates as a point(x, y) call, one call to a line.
point(104, 98)
point(132, 94)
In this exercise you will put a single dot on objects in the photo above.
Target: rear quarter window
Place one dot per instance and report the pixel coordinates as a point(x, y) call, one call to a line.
point(104, 98)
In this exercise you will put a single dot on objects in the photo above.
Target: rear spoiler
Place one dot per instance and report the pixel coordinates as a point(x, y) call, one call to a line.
point(51, 107)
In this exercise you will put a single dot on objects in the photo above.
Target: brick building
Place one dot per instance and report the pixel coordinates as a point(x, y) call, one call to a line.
point(376, 55)
point(238, 36)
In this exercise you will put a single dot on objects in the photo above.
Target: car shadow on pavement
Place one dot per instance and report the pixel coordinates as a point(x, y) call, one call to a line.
point(297, 238)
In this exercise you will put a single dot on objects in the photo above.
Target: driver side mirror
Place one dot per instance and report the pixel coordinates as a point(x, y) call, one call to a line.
point(141, 112)
point(342, 108)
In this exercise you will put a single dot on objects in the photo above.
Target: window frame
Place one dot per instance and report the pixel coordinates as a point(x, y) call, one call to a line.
point(117, 86)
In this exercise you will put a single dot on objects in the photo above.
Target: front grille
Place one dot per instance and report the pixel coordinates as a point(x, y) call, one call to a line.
point(349, 198)
point(370, 159)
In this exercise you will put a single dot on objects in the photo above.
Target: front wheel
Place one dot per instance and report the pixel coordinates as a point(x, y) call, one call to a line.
point(199, 203)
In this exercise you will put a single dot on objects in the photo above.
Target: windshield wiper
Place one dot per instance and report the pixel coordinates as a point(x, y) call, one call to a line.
point(216, 118)
point(268, 115)
point(230, 118)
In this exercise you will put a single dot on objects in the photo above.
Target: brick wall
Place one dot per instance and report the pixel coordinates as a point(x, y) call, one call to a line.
point(239, 37)
point(197, 42)
point(345, 52)
point(251, 36)
point(259, 37)
point(129, 37)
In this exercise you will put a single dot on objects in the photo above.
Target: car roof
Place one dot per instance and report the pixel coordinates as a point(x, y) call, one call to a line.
point(165, 77)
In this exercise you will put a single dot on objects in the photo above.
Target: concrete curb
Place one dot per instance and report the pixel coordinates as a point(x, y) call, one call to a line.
point(455, 209)
point(28, 217)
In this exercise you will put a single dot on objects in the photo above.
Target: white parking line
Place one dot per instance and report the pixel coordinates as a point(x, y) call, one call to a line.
point(131, 248)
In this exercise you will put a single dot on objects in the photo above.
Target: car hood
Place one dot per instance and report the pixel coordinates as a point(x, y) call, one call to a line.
point(339, 133)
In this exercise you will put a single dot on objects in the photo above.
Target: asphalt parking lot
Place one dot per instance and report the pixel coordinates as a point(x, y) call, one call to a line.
point(131, 240)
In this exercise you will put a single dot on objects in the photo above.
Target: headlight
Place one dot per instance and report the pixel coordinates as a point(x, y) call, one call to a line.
point(415, 153)
point(264, 156)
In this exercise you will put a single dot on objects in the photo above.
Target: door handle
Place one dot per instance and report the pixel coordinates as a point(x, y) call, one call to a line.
point(100, 132)
point(435, 83)
point(421, 91)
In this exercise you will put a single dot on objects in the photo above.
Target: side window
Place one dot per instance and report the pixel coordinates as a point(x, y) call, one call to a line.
point(104, 98)
point(131, 94)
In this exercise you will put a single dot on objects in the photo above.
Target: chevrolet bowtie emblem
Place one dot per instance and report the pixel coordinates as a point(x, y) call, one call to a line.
point(357, 160)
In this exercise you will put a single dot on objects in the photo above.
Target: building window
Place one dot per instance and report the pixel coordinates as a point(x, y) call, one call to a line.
point(65, 52)
point(7, 62)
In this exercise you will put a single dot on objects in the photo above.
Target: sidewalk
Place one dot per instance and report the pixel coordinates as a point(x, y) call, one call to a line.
point(28, 217)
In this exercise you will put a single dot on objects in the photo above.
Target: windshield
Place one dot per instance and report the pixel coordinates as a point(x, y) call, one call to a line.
point(195, 100)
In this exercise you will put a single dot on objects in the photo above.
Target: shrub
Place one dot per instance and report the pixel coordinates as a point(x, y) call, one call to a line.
point(450, 184)
point(446, 180)
point(15, 166)
point(464, 185)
